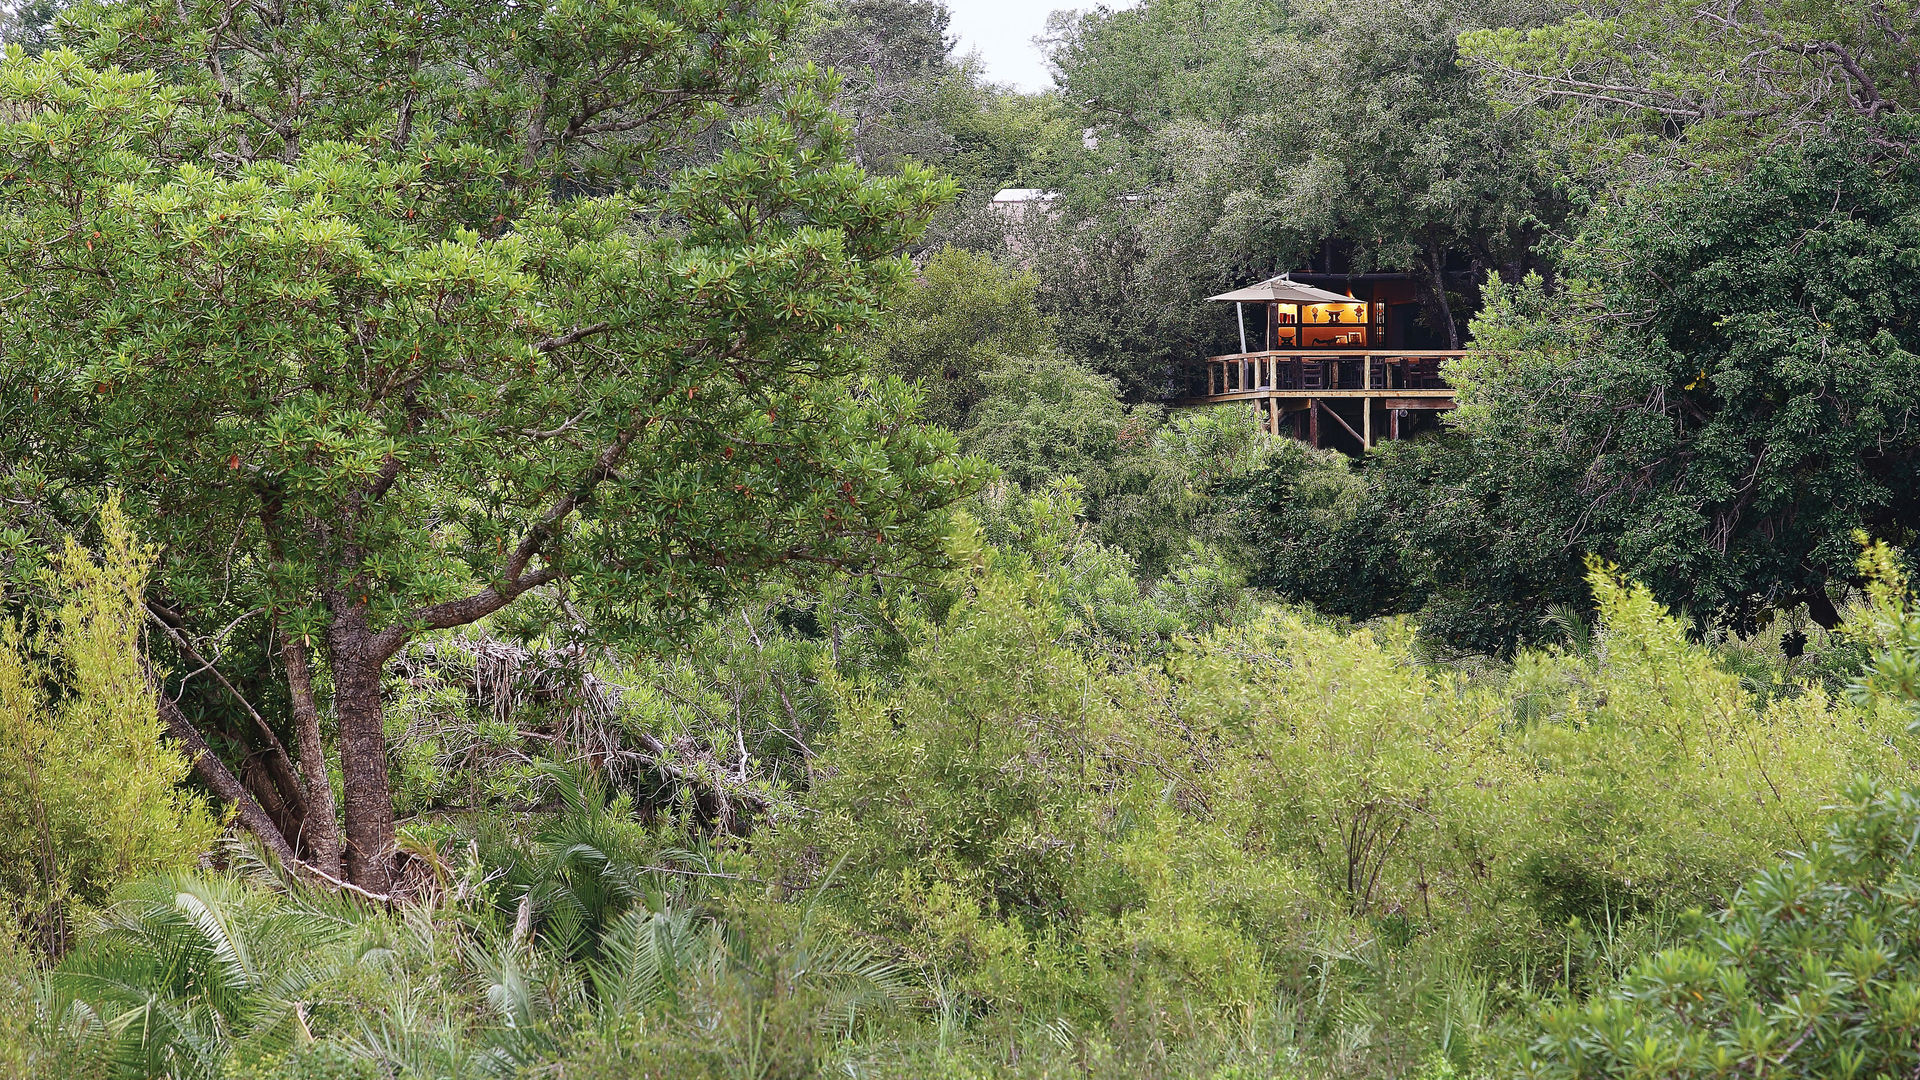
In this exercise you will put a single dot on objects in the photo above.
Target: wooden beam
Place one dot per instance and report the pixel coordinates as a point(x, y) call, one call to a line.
point(1366, 424)
point(1338, 419)
point(1439, 403)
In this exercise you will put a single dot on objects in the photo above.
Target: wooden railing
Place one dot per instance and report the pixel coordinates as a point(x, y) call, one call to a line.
point(1306, 373)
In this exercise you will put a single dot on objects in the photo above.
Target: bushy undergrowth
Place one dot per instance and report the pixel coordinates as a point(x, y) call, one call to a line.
point(1810, 972)
point(89, 795)
point(1042, 820)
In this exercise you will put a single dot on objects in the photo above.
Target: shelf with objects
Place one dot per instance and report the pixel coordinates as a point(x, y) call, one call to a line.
point(1332, 368)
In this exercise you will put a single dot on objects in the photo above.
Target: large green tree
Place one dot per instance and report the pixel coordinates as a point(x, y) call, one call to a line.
point(897, 79)
point(1717, 395)
point(1724, 390)
point(1636, 85)
point(384, 316)
point(1230, 141)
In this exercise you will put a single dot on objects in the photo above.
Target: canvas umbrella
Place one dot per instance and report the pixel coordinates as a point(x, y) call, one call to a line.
point(1283, 289)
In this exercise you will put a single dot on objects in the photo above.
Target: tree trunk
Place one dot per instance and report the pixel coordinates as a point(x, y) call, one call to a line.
point(1437, 266)
point(1821, 609)
point(357, 670)
point(319, 834)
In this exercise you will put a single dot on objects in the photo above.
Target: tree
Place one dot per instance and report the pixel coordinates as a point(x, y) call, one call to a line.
point(1047, 416)
point(892, 57)
point(1657, 80)
point(1233, 141)
point(964, 315)
point(29, 23)
point(315, 302)
point(1723, 393)
point(1716, 394)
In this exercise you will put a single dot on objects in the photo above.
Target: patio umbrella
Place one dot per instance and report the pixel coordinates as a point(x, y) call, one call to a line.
point(1283, 289)
point(1286, 291)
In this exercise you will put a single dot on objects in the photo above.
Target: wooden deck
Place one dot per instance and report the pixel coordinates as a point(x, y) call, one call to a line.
point(1294, 391)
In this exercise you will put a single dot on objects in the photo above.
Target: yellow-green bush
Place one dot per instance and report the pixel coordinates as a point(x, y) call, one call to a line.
point(1294, 817)
point(1496, 809)
point(89, 795)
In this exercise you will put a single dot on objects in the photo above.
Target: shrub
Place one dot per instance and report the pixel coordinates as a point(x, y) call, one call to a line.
point(1813, 971)
point(89, 795)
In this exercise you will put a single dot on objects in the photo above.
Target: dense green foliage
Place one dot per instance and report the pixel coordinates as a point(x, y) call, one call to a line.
point(1715, 395)
point(513, 456)
point(965, 315)
point(1038, 846)
point(1729, 442)
point(89, 797)
point(1621, 80)
point(332, 313)
point(1233, 141)
point(1810, 972)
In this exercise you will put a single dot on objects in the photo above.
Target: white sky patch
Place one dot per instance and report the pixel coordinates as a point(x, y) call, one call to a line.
point(1002, 31)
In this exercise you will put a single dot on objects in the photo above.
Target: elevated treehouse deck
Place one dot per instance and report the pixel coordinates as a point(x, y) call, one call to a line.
point(1369, 395)
point(1335, 368)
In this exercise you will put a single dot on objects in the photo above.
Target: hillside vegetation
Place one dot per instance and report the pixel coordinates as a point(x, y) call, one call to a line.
point(575, 542)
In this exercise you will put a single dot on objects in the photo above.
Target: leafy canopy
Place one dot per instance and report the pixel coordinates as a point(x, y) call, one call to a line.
point(309, 358)
point(1718, 398)
point(1655, 82)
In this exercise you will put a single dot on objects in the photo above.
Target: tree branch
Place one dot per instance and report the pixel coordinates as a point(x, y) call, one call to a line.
point(282, 762)
point(515, 578)
point(563, 340)
point(217, 776)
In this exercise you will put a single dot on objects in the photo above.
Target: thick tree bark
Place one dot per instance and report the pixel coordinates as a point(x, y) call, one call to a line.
point(320, 833)
point(281, 803)
point(357, 669)
point(358, 655)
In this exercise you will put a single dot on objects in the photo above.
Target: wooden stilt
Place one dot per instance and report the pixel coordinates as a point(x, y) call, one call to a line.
point(1313, 423)
point(1366, 424)
point(1342, 421)
point(1393, 424)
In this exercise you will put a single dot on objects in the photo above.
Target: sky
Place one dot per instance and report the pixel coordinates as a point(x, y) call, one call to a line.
point(1003, 32)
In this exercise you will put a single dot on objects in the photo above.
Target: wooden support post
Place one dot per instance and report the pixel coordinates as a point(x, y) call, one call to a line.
point(1393, 424)
point(1313, 423)
point(1366, 424)
point(1240, 313)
